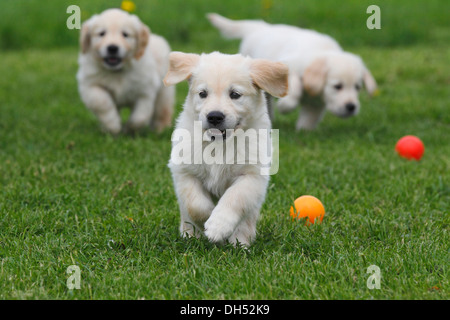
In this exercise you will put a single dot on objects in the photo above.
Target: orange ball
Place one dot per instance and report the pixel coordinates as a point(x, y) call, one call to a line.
point(410, 147)
point(308, 207)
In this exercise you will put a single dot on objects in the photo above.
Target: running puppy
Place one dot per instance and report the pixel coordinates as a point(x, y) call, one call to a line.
point(122, 64)
point(221, 199)
point(321, 75)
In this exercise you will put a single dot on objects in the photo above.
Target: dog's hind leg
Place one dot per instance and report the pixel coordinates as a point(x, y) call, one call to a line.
point(309, 117)
point(164, 106)
point(292, 99)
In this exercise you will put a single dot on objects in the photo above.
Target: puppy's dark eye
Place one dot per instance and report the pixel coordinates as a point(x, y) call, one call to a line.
point(203, 94)
point(338, 86)
point(125, 34)
point(235, 95)
point(101, 34)
point(358, 87)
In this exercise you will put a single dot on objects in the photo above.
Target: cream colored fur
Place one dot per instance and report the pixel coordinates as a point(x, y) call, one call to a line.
point(322, 76)
point(222, 201)
point(135, 82)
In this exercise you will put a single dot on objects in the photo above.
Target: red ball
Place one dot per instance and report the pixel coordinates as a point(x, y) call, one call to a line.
point(410, 147)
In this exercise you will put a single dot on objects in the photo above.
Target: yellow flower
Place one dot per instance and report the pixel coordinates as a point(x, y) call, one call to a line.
point(267, 4)
point(128, 6)
point(376, 93)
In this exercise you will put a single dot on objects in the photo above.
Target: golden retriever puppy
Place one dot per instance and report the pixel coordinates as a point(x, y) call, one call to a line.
point(122, 65)
point(321, 75)
point(220, 189)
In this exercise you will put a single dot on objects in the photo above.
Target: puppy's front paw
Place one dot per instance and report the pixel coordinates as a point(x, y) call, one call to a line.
point(113, 128)
point(218, 228)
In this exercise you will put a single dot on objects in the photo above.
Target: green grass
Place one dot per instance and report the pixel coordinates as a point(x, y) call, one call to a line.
point(41, 23)
point(71, 195)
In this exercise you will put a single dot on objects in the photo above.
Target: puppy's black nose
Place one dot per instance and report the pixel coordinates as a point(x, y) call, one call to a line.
point(350, 107)
point(112, 49)
point(215, 117)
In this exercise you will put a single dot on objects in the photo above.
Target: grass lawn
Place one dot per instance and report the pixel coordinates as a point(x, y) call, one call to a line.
point(71, 195)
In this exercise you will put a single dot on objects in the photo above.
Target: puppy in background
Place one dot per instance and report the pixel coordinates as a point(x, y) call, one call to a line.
point(225, 100)
point(122, 65)
point(321, 75)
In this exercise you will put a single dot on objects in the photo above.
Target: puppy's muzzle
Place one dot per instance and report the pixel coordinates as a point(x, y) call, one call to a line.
point(216, 120)
point(350, 107)
point(112, 58)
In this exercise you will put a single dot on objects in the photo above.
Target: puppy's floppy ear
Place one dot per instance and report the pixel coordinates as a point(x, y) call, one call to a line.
point(369, 82)
point(85, 36)
point(143, 38)
point(270, 76)
point(180, 67)
point(315, 75)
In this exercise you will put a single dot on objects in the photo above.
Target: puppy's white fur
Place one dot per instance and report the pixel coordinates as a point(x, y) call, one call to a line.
point(131, 77)
point(222, 201)
point(322, 76)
